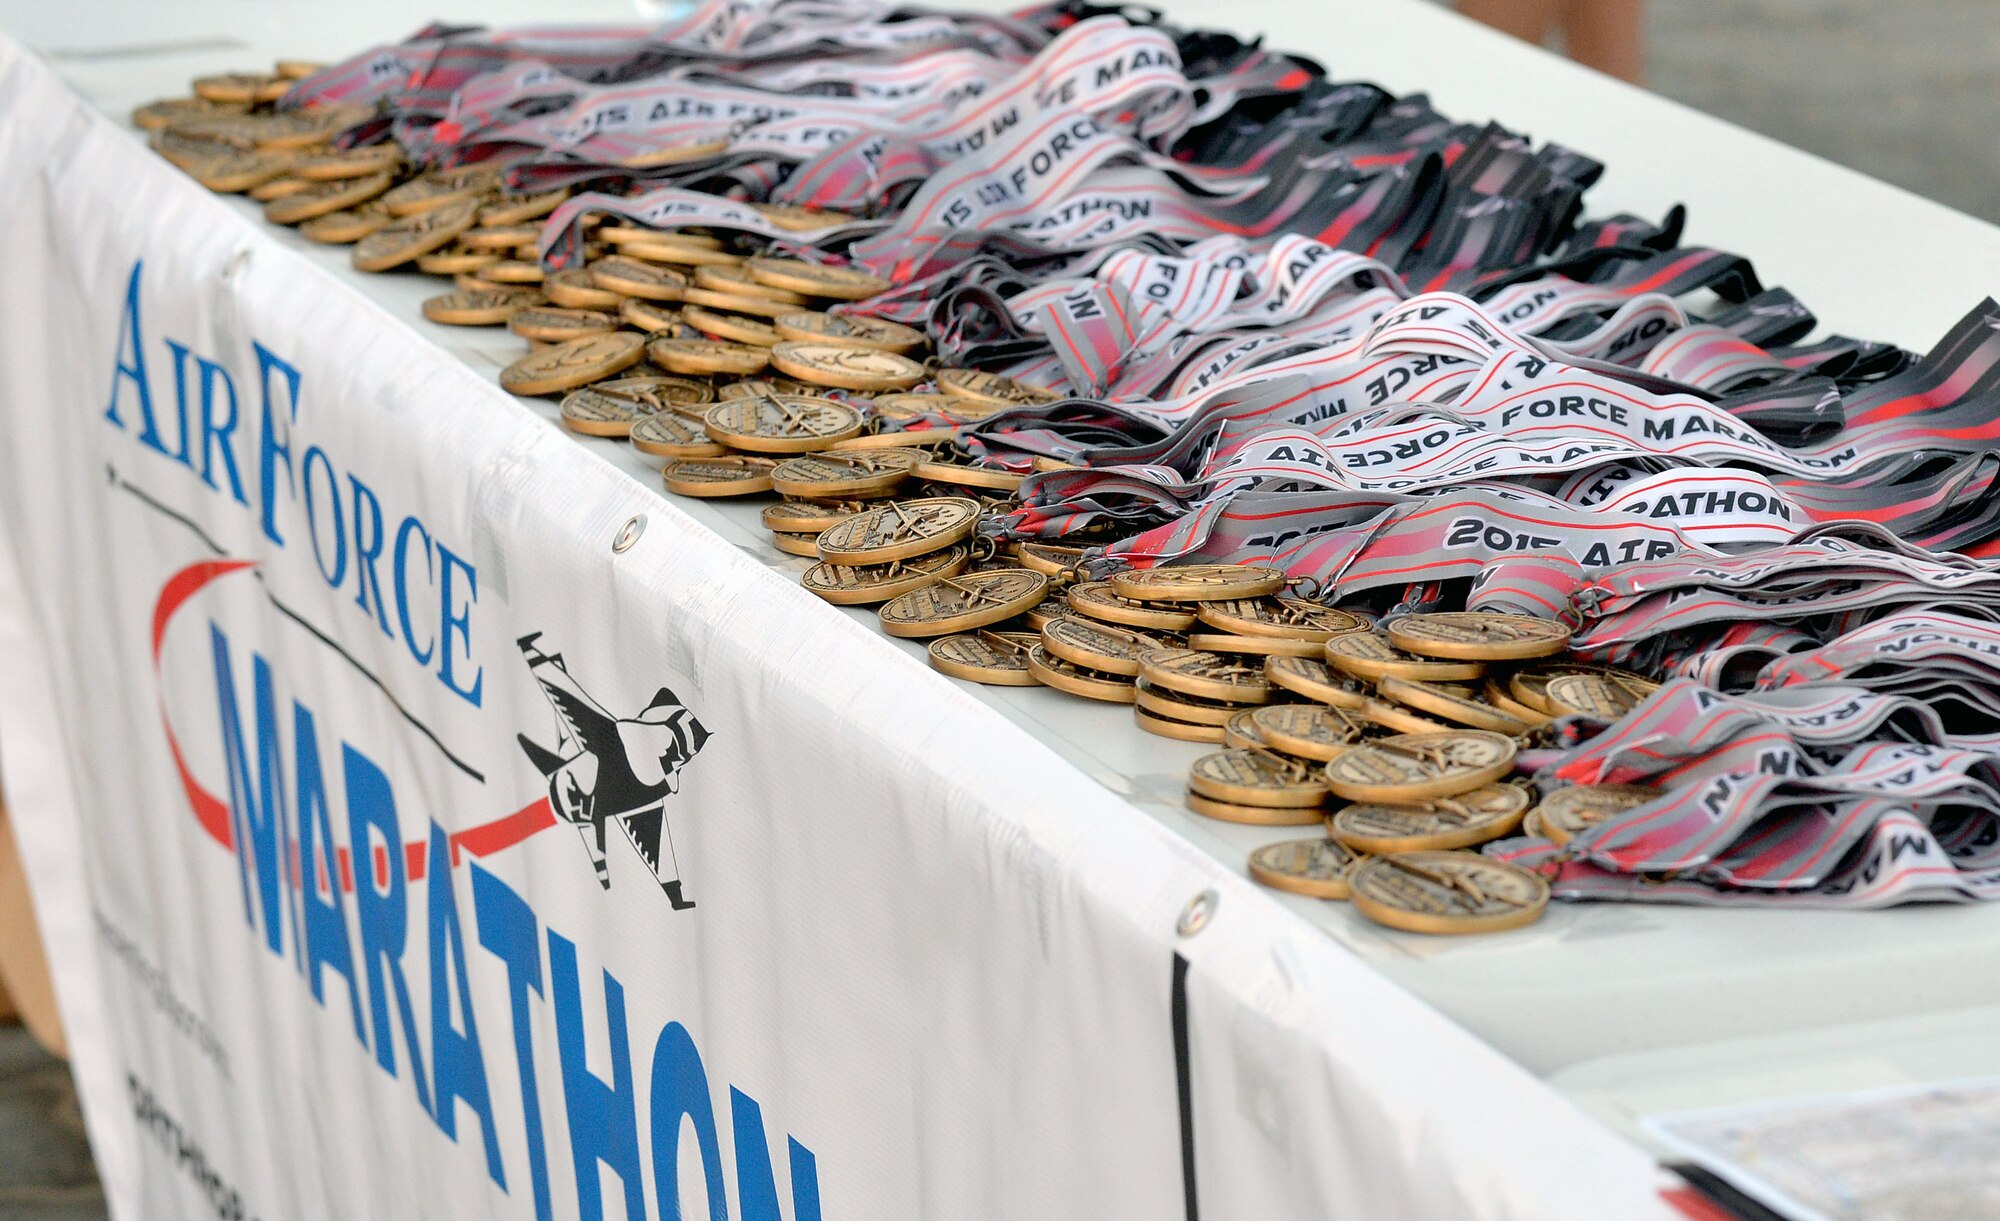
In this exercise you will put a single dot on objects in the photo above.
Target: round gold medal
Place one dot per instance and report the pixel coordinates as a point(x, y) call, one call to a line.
point(345, 227)
point(1531, 685)
point(488, 307)
point(942, 469)
point(514, 271)
point(404, 239)
point(630, 278)
point(825, 364)
point(325, 197)
point(552, 324)
point(1309, 731)
point(1484, 814)
point(565, 366)
point(456, 259)
point(517, 209)
point(1258, 778)
point(845, 585)
point(815, 279)
point(1191, 709)
point(711, 356)
point(1252, 816)
point(1447, 892)
point(1096, 600)
point(1240, 732)
point(811, 326)
point(1049, 559)
point(1181, 731)
point(1261, 646)
point(594, 413)
point(364, 162)
point(997, 659)
point(680, 253)
point(1494, 688)
point(714, 477)
point(1198, 582)
point(732, 327)
point(962, 603)
point(1568, 812)
point(436, 189)
point(807, 517)
point(1045, 612)
point(242, 88)
point(499, 237)
point(1097, 646)
point(780, 424)
point(900, 529)
point(622, 235)
point(799, 219)
point(993, 390)
point(652, 319)
point(731, 303)
point(1312, 679)
point(160, 115)
point(1477, 635)
point(1440, 701)
point(1419, 766)
point(1210, 675)
point(234, 170)
point(666, 435)
point(1591, 695)
point(753, 387)
point(1318, 867)
point(854, 475)
point(1396, 717)
point(737, 282)
point(1278, 615)
point(1067, 676)
point(573, 289)
point(1369, 655)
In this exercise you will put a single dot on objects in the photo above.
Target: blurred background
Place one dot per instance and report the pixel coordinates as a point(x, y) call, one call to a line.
point(1901, 91)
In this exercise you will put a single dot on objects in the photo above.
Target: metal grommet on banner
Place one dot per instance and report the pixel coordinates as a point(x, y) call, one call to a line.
point(628, 534)
point(1195, 916)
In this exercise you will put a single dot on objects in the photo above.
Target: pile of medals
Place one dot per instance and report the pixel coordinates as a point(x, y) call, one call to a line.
point(1411, 505)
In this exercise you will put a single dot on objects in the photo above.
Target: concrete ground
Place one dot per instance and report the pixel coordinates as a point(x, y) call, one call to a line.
point(1899, 91)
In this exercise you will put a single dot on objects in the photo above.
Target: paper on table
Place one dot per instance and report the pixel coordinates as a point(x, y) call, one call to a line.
point(1920, 1153)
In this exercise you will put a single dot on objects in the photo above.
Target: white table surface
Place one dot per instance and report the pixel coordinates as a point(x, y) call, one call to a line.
point(1630, 1010)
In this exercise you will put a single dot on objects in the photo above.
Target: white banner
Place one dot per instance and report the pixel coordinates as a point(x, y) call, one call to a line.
point(407, 849)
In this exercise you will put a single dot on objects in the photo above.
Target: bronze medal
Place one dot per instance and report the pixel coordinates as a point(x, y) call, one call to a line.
point(597, 412)
point(1258, 778)
point(1198, 582)
point(1309, 731)
point(160, 115)
point(780, 424)
point(1240, 732)
point(519, 209)
point(409, 236)
point(1097, 646)
point(963, 603)
point(652, 319)
point(1441, 701)
point(364, 162)
point(1096, 600)
point(1591, 695)
point(501, 238)
point(241, 88)
point(1190, 709)
point(438, 188)
point(710, 356)
point(346, 227)
point(846, 585)
point(1312, 679)
point(810, 326)
point(1279, 615)
point(1209, 675)
point(1067, 676)
point(1397, 718)
point(761, 308)
point(490, 307)
point(899, 530)
point(732, 327)
point(855, 476)
point(1261, 646)
point(807, 517)
point(679, 253)
point(1045, 612)
point(553, 324)
point(1319, 868)
point(1568, 812)
point(573, 289)
point(630, 278)
point(1049, 559)
point(1477, 636)
point(826, 364)
point(565, 366)
point(1531, 685)
point(278, 188)
point(736, 282)
point(814, 279)
point(1419, 766)
point(1180, 731)
point(1370, 655)
point(799, 219)
point(1442, 823)
point(514, 271)
point(455, 259)
point(624, 234)
point(992, 390)
point(716, 477)
point(997, 659)
point(664, 434)
point(236, 170)
point(753, 387)
point(319, 199)
point(1447, 892)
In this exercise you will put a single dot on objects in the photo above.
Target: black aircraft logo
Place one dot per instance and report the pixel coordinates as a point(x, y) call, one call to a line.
point(606, 768)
